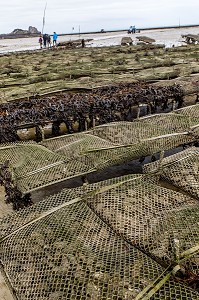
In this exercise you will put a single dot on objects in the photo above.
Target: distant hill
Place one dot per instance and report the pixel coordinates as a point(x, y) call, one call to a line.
point(19, 33)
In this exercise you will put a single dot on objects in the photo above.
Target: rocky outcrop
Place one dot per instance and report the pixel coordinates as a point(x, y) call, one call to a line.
point(18, 33)
point(126, 41)
point(145, 39)
point(191, 38)
point(33, 30)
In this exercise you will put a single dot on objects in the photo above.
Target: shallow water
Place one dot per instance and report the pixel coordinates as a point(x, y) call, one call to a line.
point(169, 37)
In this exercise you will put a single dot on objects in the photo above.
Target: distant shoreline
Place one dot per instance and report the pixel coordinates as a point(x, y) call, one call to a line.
point(19, 36)
point(119, 30)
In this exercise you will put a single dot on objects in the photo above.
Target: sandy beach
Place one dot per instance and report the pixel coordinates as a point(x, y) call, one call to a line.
point(167, 36)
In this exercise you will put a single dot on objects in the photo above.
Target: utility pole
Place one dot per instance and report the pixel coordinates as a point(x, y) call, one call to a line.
point(44, 19)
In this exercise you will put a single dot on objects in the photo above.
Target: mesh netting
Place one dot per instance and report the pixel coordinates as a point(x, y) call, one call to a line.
point(149, 216)
point(35, 166)
point(188, 111)
point(181, 169)
point(116, 239)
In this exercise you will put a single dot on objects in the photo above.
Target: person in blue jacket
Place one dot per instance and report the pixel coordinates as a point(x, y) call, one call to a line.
point(132, 29)
point(55, 39)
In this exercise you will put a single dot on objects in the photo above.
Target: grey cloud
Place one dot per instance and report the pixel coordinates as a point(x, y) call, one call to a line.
point(61, 15)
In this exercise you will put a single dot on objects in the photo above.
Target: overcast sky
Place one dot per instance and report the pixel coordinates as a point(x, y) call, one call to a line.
point(93, 15)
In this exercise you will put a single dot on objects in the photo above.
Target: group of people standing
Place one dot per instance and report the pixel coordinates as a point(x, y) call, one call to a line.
point(45, 40)
point(132, 29)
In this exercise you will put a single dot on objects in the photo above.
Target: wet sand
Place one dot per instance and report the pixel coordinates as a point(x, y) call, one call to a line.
point(167, 36)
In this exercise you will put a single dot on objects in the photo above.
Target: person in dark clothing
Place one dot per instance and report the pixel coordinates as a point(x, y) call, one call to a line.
point(49, 41)
point(83, 43)
point(45, 37)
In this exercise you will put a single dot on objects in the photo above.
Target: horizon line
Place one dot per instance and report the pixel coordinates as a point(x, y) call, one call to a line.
point(122, 29)
point(137, 28)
